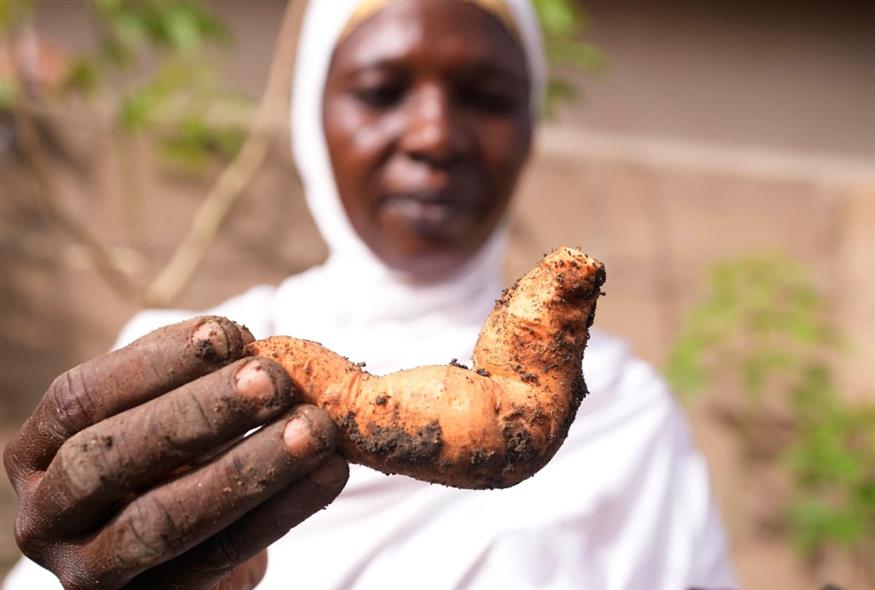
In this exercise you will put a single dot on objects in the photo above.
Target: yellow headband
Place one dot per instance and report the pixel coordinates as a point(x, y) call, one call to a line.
point(367, 8)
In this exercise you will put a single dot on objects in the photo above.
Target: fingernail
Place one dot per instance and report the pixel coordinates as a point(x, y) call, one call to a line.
point(298, 437)
point(253, 381)
point(210, 341)
point(331, 474)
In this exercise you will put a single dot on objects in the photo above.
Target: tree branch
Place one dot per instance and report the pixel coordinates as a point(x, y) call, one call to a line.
point(47, 193)
point(212, 212)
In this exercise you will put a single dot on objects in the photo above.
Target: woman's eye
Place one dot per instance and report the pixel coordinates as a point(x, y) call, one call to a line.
point(380, 96)
point(489, 101)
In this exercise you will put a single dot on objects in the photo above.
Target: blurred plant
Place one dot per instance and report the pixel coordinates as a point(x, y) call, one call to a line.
point(151, 76)
point(763, 318)
point(152, 55)
point(148, 75)
point(563, 23)
point(764, 325)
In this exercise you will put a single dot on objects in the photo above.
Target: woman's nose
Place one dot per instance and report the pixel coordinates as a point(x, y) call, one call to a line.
point(434, 133)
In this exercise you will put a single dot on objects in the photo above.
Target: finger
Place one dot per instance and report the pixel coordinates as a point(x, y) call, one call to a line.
point(247, 576)
point(104, 464)
point(119, 380)
point(209, 562)
point(244, 577)
point(171, 519)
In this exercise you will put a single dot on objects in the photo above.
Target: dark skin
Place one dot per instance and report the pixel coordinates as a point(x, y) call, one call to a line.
point(428, 123)
point(132, 471)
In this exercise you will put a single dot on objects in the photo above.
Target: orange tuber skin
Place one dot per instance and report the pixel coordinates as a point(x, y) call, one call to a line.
point(490, 426)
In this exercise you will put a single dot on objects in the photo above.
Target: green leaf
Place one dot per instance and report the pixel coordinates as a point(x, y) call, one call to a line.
point(10, 93)
point(816, 524)
point(562, 24)
point(82, 75)
point(559, 17)
point(763, 325)
point(13, 12)
point(685, 371)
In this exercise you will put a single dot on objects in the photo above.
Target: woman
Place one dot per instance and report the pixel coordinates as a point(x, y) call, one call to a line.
point(411, 123)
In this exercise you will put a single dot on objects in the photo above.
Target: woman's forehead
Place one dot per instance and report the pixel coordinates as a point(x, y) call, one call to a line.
point(451, 33)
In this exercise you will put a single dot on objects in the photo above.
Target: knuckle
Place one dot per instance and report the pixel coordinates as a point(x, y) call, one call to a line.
point(78, 578)
point(81, 466)
point(146, 534)
point(10, 453)
point(27, 534)
point(224, 553)
point(12, 459)
point(199, 417)
point(243, 480)
point(141, 537)
point(73, 572)
point(237, 472)
point(67, 396)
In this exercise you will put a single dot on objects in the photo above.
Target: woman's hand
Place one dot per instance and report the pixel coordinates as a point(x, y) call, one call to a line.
point(131, 472)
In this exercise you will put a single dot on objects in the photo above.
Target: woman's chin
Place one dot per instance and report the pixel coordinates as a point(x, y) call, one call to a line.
point(424, 260)
point(426, 247)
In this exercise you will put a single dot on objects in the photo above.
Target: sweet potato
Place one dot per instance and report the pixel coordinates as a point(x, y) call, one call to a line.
point(490, 426)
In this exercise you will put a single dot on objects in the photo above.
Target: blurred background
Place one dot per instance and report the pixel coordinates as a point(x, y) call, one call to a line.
point(718, 157)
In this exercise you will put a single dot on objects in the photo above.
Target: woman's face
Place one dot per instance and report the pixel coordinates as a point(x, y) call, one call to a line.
point(428, 123)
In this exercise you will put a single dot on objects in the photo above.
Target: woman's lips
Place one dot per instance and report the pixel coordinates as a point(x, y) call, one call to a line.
point(425, 211)
point(434, 214)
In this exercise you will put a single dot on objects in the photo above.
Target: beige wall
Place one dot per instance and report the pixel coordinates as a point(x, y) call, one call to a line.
point(661, 212)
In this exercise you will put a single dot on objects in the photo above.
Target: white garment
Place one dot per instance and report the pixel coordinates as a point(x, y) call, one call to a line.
point(624, 504)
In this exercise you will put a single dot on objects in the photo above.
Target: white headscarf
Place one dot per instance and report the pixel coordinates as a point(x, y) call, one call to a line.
point(354, 288)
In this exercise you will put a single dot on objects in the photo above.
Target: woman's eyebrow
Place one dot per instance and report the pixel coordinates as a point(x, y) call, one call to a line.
point(484, 66)
point(377, 65)
point(490, 68)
